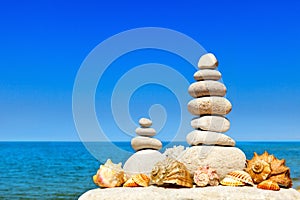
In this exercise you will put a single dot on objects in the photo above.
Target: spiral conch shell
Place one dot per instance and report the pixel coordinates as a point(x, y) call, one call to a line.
point(268, 167)
point(205, 175)
point(109, 175)
point(170, 171)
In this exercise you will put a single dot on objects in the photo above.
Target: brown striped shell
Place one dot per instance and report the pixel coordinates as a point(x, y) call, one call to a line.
point(241, 176)
point(141, 179)
point(228, 181)
point(130, 183)
point(268, 185)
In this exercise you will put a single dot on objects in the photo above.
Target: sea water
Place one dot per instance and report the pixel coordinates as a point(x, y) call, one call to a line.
point(64, 170)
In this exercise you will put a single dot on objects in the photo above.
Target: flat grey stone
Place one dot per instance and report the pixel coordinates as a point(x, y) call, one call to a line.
point(208, 61)
point(142, 142)
point(198, 137)
point(211, 123)
point(145, 132)
point(207, 88)
point(207, 74)
point(209, 106)
point(145, 122)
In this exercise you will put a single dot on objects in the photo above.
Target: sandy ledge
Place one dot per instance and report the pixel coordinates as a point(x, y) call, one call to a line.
point(215, 193)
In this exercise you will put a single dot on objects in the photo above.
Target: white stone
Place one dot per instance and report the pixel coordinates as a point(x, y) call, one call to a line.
point(209, 106)
point(145, 131)
point(142, 142)
point(211, 123)
point(223, 159)
point(203, 193)
point(142, 161)
point(207, 74)
point(207, 88)
point(208, 61)
point(197, 137)
point(145, 122)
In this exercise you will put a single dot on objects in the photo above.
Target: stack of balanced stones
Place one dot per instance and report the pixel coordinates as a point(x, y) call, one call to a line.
point(210, 106)
point(144, 139)
point(147, 150)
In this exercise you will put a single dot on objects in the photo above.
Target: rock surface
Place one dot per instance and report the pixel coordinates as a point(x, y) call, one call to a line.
point(207, 88)
point(209, 106)
point(207, 193)
point(141, 142)
point(198, 137)
point(145, 131)
point(211, 123)
point(207, 74)
point(142, 161)
point(208, 61)
point(144, 122)
point(223, 159)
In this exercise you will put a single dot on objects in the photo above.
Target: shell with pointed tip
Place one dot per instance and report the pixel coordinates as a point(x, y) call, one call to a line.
point(213, 178)
point(130, 183)
point(268, 167)
point(228, 181)
point(141, 179)
point(268, 185)
point(109, 175)
point(241, 176)
point(170, 171)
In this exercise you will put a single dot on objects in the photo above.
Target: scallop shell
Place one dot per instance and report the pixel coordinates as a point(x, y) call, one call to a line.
point(170, 171)
point(141, 179)
point(228, 181)
point(268, 167)
point(109, 175)
point(130, 183)
point(241, 176)
point(268, 185)
point(201, 179)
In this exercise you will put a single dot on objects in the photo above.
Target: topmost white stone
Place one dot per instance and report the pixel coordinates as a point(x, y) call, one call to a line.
point(144, 122)
point(208, 61)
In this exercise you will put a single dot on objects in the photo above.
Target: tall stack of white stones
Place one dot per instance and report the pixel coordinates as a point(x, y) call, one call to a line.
point(210, 106)
point(209, 145)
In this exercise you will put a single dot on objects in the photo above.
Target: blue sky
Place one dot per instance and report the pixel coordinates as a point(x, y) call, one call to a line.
point(43, 44)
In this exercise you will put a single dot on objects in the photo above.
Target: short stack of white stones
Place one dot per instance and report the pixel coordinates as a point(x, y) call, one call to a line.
point(146, 147)
point(144, 139)
point(210, 106)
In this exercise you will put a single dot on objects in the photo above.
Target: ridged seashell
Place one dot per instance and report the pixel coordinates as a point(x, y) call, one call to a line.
point(141, 179)
point(170, 171)
point(130, 183)
point(109, 175)
point(200, 179)
point(268, 185)
point(228, 181)
point(241, 176)
point(268, 167)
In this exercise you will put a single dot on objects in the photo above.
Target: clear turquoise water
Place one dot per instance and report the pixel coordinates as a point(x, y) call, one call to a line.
point(63, 170)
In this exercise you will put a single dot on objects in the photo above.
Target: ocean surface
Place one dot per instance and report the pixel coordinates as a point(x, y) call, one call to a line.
point(64, 170)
